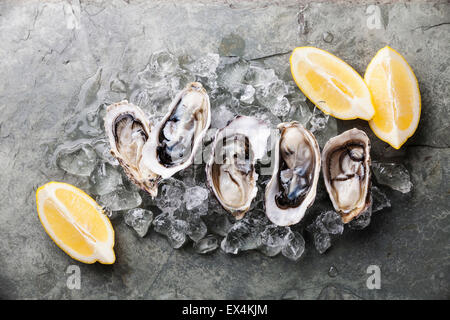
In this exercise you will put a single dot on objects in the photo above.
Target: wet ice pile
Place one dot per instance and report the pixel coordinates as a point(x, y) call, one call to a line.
point(328, 224)
point(255, 232)
point(184, 210)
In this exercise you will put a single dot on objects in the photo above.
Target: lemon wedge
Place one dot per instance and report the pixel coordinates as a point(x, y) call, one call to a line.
point(331, 84)
point(76, 223)
point(396, 97)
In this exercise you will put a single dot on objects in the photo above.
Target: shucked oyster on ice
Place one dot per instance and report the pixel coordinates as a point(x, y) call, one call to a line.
point(346, 172)
point(128, 129)
point(151, 154)
point(231, 171)
point(292, 188)
point(174, 141)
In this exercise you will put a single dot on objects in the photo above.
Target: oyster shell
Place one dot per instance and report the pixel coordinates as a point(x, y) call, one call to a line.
point(231, 171)
point(346, 173)
point(128, 130)
point(292, 188)
point(174, 141)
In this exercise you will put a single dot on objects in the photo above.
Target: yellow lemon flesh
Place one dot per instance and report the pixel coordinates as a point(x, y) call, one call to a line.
point(76, 223)
point(331, 84)
point(396, 97)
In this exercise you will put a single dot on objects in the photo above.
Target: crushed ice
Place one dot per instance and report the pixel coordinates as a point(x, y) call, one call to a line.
point(139, 219)
point(393, 175)
point(184, 209)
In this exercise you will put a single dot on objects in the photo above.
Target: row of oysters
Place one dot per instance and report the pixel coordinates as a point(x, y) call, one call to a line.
point(151, 152)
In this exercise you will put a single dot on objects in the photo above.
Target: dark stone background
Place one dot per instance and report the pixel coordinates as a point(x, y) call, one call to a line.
point(50, 48)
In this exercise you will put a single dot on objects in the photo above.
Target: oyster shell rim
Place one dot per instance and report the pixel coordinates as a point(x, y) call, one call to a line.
point(258, 153)
point(134, 174)
point(269, 195)
point(150, 157)
point(348, 136)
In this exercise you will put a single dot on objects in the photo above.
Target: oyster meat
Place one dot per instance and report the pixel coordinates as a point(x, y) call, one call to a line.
point(346, 173)
point(175, 140)
point(150, 154)
point(231, 171)
point(128, 130)
point(292, 188)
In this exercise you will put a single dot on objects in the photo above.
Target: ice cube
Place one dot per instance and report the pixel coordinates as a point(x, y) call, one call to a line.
point(273, 239)
point(105, 179)
point(322, 241)
point(139, 97)
point(218, 223)
point(102, 148)
point(245, 234)
point(300, 112)
point(380, 200)
point(195, 196)
point(171, 227)
point(332, 222)
point(118, 85)
point(195, 228)
point(206, 245)
point(221, 116)
point(222, 97)
point(79, 160)
point(159, 98)
point(87, 123)
point(318, 120)
point(120, 199)
point(260, 113)
point(393, 175)
point(156, 85)
point(231, 73)
point(321, 236)
point(139, 219)
point(248, 96)
point(95, 119)
point(260, 77)
point(275, 236)
point(282, 108)
point(295, 247)
point(205, 66)
point(240, 237)
point(295, 94)
point(362, 221)
point(193, 175)
point(273, 98)
point(170, 196)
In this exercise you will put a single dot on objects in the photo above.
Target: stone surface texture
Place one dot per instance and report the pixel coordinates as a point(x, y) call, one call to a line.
point(57, 55)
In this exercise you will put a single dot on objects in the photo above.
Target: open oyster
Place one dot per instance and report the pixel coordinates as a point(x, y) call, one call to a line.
point(175, 140)
point(292, 188)
point(231, 171)
point(346, 172)
point(128, 129)
point(151, 154)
